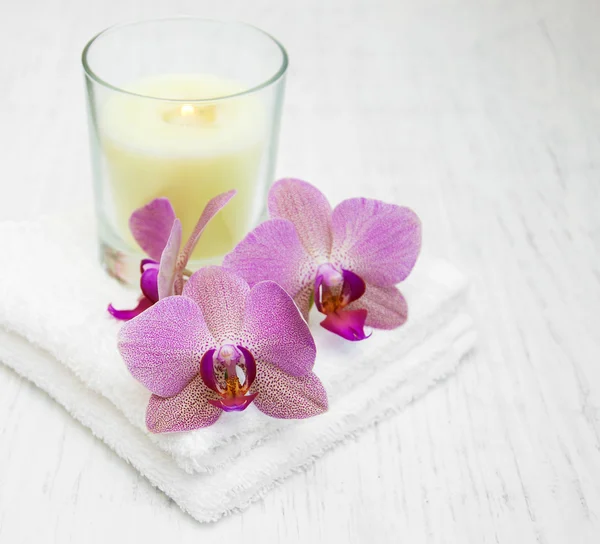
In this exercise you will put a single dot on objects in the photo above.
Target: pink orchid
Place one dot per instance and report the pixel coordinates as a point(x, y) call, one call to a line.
point(192, 352)
point(158, 232)
point(348, 260)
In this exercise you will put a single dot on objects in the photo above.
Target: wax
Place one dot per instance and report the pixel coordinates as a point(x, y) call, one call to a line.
point(185, 151)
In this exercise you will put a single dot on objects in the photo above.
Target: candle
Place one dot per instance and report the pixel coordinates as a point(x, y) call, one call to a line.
point(182, 108)
point(189, 150)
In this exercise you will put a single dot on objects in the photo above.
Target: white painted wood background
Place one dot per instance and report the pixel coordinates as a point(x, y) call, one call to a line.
point(484, 115)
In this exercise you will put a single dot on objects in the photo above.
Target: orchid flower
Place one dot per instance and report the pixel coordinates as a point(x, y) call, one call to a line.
point(220, 347)
point(348, 260)
point(158, 232)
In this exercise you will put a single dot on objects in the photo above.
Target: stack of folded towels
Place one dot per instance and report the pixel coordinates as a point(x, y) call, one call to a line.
point(55, 331)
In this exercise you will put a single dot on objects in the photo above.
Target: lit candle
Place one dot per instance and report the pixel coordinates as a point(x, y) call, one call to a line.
point(189, 150)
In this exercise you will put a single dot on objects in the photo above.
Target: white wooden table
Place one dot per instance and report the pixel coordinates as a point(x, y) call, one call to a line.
point(483, 115)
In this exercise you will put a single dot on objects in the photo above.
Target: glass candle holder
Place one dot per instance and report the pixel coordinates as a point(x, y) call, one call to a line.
point(186, 109)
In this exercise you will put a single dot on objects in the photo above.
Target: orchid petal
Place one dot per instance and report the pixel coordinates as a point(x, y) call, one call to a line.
point(386, 307)
point(288, 397)
point(275, 332)
point(188, 410)
point(125, 315)
point(380, 242)
point(348, 324)
point(221, 295)
point(162, 347)
point(151, 226)
point(168, 261)
point(211, 209)
point(272, 251)
point(149, 282)
point(304, 299)
point(308, 209)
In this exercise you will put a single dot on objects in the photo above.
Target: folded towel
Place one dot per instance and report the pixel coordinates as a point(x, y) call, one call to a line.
point(54, 330)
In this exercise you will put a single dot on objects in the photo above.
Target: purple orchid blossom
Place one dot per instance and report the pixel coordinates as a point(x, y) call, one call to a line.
point(158, 232)
point(220, 347)
point(348, 260)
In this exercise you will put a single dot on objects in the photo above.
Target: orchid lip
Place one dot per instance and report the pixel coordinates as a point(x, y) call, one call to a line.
point(125, 315)
point(336, 288)
point(353, 288)
point(233, 394)
point(236, 404)
point(149, 287)
point(250, 366)
point(149, 282)
point(146, 264)
point(348, 324)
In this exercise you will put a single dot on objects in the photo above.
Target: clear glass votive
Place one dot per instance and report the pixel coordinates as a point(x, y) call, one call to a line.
point(182, 108)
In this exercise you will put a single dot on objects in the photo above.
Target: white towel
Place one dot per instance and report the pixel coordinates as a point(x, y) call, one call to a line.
point(54, 330)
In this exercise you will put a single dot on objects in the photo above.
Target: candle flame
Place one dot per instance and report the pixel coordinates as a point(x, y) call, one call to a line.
point(190, 115)
point(187, 109)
